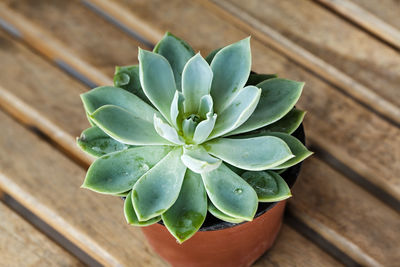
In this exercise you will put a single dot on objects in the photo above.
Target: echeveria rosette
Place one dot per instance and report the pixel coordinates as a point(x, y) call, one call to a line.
point(180, 135)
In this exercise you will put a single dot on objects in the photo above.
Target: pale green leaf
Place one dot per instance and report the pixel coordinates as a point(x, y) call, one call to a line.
point(177, 110)
point(189, 211)
point(210, 57)
point(118, 172)
point(269, 186)
point(130, 214)
point(127, 78)
point(205, 106)
point(238, 111)
point(167, 131)
point(255, 78)
point(126, 127)
point(299, 151)
point(108, 95)
point(231, 68)
point(288, 124)
point(177, 52)
point(157, 190)
point(222, 216)
point(204, 128)
point(97, 143)
point(278, 97)
point(188, 127)
point(198, 160)
point(157, 81)
point(196, 82)
point(258, 153)
point(230, 193)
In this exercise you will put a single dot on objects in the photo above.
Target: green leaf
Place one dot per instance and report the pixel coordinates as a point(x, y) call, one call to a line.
point(222, 216)
point(97, 143)
point(204, 129)
point(230, 193)
point(269, 186)
point(231, 69)
point(126, 127)
point(108, 95)
point(189, 211)
point(157, 190)
point(241, 108)
point(127, 78)
point(288, 124)
point(177, 52)
point(130, 214)
point(123, 194)
point(196, 82)
point(198, 160)
point(205, 106)
point(177, 110)
point(157, 81)
point(298, 149)
point(258, 153)
point(278, 97)
point(118, 172)
point(255, 78)
point(167, 131)
point(188, 127)
point(212, 54)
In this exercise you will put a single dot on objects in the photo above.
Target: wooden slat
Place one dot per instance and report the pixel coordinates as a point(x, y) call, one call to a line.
point(352, 59)
point(293, 249)
point(68, 23)
point(48, 183)
point(350, 132)
point(350, 218)
point(48, 102)
point(382, 18)
point(22, 245)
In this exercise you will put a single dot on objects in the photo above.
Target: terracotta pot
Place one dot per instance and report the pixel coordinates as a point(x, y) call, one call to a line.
point(240, 245)
point(220, 243)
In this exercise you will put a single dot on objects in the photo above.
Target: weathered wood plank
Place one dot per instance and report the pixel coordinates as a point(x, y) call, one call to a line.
point(48, 183)
point(350, 132)
point(346, 215)
point(293, 245)
point(382, 19)
point(41, 95)
point(352, 59)
point(22, 245)
point(67, 24)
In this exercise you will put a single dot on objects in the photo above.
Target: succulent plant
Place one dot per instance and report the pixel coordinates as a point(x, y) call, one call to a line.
point(179, 135)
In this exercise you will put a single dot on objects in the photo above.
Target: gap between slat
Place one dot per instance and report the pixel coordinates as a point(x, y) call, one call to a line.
point(49, 231)
point(364, 19)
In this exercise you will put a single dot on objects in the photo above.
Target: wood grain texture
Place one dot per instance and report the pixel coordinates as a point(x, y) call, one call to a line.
point(381, 19)
point(22, 245)
point(294, 248)
point(343, 213)
point(48, 183)
point(41, 96)
point(62, 30)
point(350, 132)
point(352, 59)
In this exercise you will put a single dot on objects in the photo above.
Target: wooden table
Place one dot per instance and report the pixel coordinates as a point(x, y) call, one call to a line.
point(345, 208)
